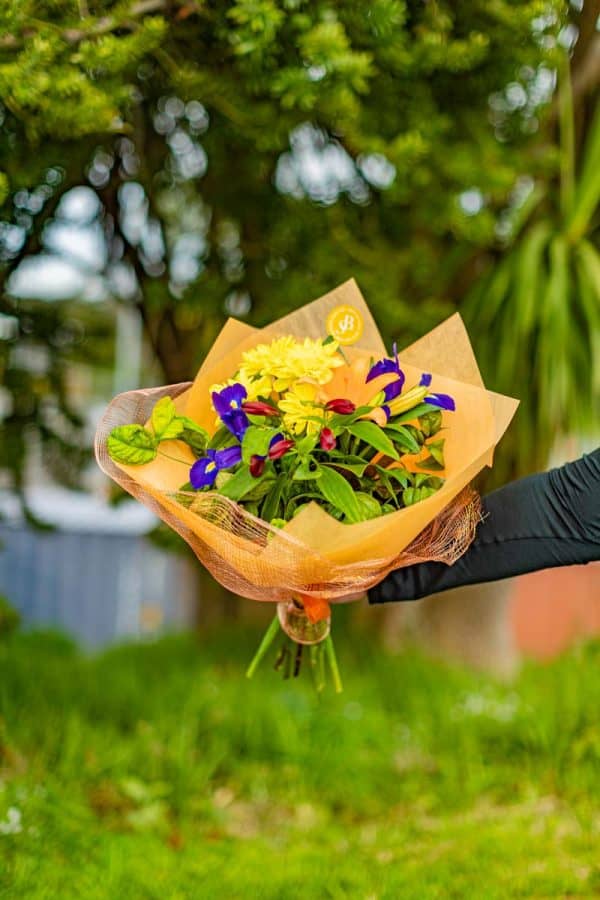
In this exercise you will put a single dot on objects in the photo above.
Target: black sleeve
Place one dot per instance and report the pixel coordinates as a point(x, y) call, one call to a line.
point(545, 520)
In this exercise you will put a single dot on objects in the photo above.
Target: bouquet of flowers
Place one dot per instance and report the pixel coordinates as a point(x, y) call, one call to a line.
point(304, 462)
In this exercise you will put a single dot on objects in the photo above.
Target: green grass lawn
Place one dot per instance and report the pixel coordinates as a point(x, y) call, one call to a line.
point(159, 771)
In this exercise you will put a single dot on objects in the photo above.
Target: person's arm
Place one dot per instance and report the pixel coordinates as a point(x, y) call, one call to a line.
point(545, 520)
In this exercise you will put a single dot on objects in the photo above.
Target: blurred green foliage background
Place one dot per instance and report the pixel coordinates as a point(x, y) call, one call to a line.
point(247, 156)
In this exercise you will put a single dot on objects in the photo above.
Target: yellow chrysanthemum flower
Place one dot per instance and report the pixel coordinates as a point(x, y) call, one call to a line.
point(287, 360)
point(266, 359)
point(297, 405)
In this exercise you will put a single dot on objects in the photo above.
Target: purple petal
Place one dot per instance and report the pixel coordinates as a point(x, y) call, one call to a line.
point(237, 422)
point(199, 476)
point(221, 406)
point(394, 388)
point(275, 439)
point(425, 380)
point(387, 411)
point(234, 394)
point(444, 401)
point(383, 367)
point(228, 457)
point(230, 397)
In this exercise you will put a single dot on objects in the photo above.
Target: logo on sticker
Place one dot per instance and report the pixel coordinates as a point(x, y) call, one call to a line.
point(345, 324)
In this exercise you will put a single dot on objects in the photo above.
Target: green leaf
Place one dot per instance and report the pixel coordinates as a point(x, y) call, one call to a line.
point(162, 415)
point(173, 430)
point(190, 425)
point(414, 495)
point(355, 468)
point(262, 486)
point(240, 484)
point(412, 414)
point(273, 499)
point(588, 190)
point(133, 445)
point(308, 468)
point(196, 440)
point(435, 482)
point(430, 423)
point(401, 435)
point(529, 276)
point(402, 476)
point(430, 464)
point(222, 438)
point(387, 484)
point(370, 508)
point(436, 448)
point(386, 476)
point(338, 492)
point(307, 443)
point(338, 420)
point(222, 479)
point(372, 434)
point(256, 441)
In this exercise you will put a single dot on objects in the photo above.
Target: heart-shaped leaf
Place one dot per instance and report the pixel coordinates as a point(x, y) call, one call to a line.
point(162, 415)
point(133, 445)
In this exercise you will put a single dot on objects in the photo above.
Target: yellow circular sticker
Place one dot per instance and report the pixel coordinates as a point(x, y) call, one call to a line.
point(345, 324)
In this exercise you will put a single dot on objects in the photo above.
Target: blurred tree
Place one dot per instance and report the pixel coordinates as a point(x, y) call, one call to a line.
point(250, 155)
point(542, 295)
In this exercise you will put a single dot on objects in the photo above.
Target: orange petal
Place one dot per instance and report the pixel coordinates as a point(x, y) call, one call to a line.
point(316, 609)
point(376, 415)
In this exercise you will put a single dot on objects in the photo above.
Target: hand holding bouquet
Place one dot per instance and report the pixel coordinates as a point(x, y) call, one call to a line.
point(304, 460)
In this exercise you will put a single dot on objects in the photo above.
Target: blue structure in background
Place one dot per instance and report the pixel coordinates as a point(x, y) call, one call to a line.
point(96, 576)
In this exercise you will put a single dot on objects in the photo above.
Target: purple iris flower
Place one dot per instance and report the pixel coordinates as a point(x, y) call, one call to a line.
point(228, 406)
point(204, 471)
point(387, 367)
point(393, 389)
point(444, 401)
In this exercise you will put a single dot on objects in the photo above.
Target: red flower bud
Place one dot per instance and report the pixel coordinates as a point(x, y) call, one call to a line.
point(257, 465)
point(344, 407)
point(280, 448)
point(327, 439)
point(258, 408)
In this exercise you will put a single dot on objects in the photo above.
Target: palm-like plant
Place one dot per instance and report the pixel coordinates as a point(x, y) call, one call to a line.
point(538, 310)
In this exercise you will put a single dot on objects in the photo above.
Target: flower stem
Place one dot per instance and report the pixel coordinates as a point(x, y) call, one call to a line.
point(335, 672)
point(184, 462)
point(268, 638)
